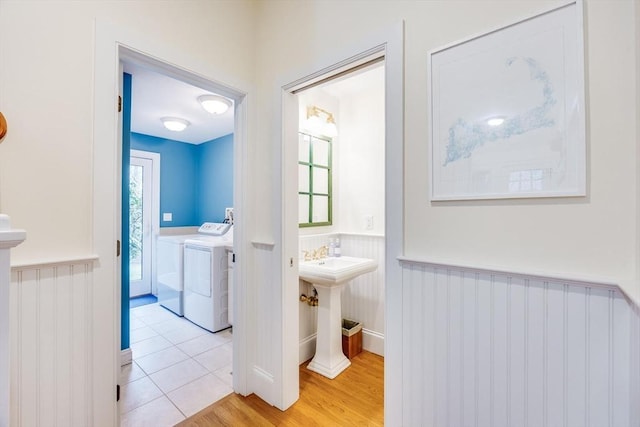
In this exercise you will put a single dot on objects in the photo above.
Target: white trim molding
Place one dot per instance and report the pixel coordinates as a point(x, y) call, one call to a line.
point(126, 357)
point(81, 259)
point(9, 238)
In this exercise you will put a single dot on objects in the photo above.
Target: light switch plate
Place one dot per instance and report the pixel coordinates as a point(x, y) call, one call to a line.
point(167, 216)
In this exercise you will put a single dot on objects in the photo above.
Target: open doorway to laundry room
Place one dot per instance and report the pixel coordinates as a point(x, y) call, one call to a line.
point(178, 362)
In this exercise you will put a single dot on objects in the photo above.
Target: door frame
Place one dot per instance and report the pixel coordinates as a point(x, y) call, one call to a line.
point(113, 45)
point(390, 45)
point(155, 206)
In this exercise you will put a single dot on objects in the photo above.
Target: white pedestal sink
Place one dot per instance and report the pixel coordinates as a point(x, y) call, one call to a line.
point(328, 276)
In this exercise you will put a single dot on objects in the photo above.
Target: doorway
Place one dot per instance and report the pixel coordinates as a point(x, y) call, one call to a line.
point(388, 45)
point(144, 208)
point(341, 192)
point(205, 361)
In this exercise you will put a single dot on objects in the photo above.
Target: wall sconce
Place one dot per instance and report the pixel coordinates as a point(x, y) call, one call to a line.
point(175, 124)
point(315, 124)
point(214, 104)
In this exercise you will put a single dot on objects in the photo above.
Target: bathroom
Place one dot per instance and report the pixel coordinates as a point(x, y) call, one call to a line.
point(355, 212)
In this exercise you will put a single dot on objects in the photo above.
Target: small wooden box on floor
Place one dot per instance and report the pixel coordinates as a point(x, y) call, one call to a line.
point(351, 338)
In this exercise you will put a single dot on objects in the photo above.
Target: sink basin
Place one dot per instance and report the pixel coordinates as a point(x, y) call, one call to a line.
point(335, 271)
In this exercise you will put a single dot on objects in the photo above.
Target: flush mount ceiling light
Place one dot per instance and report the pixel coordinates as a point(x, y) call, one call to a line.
point(315, 124)
point(175, 124)
point(214, 104)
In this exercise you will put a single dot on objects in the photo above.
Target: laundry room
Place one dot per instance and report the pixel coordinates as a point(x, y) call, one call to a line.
point(177, 237)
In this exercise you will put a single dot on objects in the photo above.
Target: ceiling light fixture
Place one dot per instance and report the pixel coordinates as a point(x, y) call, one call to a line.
point(315, 124)
point(175, 124)
point(214, 104)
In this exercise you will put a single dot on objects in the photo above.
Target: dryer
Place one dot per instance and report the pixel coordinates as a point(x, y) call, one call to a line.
point(170, 264)
point(206, 281)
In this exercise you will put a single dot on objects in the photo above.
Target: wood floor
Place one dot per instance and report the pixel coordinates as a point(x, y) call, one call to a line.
point(354, 398)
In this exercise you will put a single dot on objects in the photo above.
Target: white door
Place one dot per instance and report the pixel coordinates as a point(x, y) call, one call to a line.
point(140, 214)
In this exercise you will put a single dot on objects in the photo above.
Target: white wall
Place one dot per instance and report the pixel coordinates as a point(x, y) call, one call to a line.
point(360, 189)
point(47, 51)
point(46, 85)
point(590, 236)
point(51, 56)
point(593, 237)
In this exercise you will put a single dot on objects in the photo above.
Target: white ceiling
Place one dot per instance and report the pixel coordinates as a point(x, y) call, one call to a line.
point(356, 82)
point(154, 96)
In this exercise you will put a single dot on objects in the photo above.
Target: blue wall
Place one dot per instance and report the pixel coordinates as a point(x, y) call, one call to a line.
point(196, 181)
point(178, 178)
point(124, 246)
point(216, 178)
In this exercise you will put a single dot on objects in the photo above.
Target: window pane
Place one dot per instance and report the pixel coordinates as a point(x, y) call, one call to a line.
point(303, 178)
point(303, 147)
point(320, 180)
point(320, 209)
point(135, 222)
point(320, 152)
point(303, 209)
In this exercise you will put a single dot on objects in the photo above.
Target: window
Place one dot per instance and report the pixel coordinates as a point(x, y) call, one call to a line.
point(314, 181)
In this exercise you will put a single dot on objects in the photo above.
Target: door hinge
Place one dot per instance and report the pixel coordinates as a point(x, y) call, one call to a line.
point(117, 247)
point(119, 103)
point(233, 258)
point(117, 392)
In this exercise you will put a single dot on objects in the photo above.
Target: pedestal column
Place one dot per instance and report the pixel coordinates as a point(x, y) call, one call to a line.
point(8, 239)
point(329, 359)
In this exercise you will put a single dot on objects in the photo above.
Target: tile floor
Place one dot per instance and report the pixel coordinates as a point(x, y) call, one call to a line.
point(178, 369)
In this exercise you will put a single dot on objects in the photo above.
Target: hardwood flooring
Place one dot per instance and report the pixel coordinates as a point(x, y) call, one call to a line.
point(353, 398)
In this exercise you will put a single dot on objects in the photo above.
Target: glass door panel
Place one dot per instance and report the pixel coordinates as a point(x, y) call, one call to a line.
point(140, 194)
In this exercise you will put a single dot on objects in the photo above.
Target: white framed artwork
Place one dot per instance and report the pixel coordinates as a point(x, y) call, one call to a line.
point(507, 111)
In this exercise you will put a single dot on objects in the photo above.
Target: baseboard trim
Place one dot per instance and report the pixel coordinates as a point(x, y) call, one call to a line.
point(373, 341)
point(307, 348)
point(126, 356)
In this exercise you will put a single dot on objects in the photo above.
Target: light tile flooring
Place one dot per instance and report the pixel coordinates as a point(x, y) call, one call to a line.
point(178, 368)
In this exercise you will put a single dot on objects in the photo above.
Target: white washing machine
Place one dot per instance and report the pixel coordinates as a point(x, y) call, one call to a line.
point(170, 264)
point(206, 281)
point(169, 270)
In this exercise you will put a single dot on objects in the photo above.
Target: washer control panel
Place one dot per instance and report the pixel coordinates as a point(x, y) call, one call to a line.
point(214, 228)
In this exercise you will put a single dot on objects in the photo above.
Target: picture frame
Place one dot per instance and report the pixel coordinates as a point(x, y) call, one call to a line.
point(507, 111)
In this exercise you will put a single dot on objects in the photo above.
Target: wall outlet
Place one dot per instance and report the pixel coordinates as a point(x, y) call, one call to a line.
point(167, 216)
point(368, 222)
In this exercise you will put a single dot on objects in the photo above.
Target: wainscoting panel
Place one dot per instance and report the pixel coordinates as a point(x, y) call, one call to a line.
point(363, 298)
point(50, 342)
point(496, 349)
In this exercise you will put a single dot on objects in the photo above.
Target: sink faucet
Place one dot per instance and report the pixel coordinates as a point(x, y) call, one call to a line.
point(322, 252)
point(319, 253)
